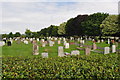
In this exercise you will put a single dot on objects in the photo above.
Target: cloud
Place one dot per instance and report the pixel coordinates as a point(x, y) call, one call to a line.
point(18, 16)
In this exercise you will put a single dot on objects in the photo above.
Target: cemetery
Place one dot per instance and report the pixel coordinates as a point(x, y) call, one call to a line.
point(85, 47)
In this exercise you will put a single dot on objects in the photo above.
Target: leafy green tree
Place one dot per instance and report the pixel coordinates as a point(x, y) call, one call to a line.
point(17, 34)
point(4, 35)
point(54, 31)
point(110, 25)
point(10, 35)
point(28, 33)
point(73, 25)
point(91, 27)
point(61, 29)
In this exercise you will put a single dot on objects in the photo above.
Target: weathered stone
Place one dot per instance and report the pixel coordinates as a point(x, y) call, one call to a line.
point(75, 52)
point(106, 50)
point(44, 55)
point(60, 51)
point(87, 51)
point(113, 48)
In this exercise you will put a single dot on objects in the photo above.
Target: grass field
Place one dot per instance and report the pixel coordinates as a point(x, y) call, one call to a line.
point(26, 49)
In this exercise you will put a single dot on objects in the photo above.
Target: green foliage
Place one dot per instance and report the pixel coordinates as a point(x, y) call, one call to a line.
point(110, 25)
point(73, 25)
point(61, 29)
point(10, 35)
point(17, 34)
point(82, 67)
point(28, 33)
point(91, 26)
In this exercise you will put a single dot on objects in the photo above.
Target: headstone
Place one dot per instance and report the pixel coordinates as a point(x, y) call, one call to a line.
point(59, 42)
point(35, 49)
point(87, 51)
point(106, 50)
point(75, 52)
point(108, 41)
point(98, 41)
point(60, 51)
point(50, 43)
point(43, 44)
point(67, 45)
point(94, 46)
point(44, 55)
point(9, 43)
point(18, 41)
point(66, 53)
point(37, 39)
point(113, 48)
point(26, 42)
point(2, 43)
point(102, 40)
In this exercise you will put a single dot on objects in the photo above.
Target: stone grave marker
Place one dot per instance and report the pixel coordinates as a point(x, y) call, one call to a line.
point(59, 42)
point(106, 50)
point(43, 44)
point(44, 55)
point(75, 52)
point(9, 43)
point(26, 42)
point(94, 46)
point(87, 51)
point(35, 49)
point(113, 48)
point(60, 51)
point(50, 43)
point(67, 45)
point(108, 41)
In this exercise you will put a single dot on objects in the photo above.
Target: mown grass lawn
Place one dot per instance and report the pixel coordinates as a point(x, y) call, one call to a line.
point(26, 49)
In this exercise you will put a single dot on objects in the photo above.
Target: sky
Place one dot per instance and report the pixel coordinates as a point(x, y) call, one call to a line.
point(19, 15)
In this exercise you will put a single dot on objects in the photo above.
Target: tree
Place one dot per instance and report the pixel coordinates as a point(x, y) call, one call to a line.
point(73, 25)
point(110, 25)
point(61, 29)
point(28, 33)
point(10, 35)
point(54, 31)
point(91, 27)
point(17, 34)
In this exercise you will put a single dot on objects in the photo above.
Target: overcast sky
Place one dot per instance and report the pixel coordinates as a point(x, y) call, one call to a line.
point(19, 15)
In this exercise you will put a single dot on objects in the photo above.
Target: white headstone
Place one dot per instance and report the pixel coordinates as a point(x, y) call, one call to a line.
point(60, 51)
point(44, 55)
point(59, 41)
point(108, 41)
point(75, 52)
point(113, 48)
point(106, 50)
point(26, 42)
point(67, 45)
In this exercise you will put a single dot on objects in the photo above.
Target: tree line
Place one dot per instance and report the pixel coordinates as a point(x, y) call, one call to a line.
point(97, 24)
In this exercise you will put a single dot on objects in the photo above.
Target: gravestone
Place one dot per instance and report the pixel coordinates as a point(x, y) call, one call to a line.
point(43, 44)
point(9, 43)
point(59, 41)
point(67, 45)
point(35, 49)
point(87, 51)
point(65, 42)
point(44, 55)
point(113, 48)
point(26, 42)
point(18, 41)
point(94, 46)
point(50, 43)
point(108, 41)
point(102, 40)
point(98, 41)
point(66, 53)
point(106, 50)
point(60, 51)
point(2, 43)
point(75, 52)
